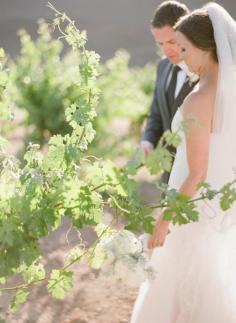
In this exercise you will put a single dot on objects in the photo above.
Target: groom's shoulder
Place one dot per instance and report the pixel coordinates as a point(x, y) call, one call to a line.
point(162, 64)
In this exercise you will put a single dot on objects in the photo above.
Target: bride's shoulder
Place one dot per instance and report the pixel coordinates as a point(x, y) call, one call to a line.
point(199, 103)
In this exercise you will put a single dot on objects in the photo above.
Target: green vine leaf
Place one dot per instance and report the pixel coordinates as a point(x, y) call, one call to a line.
point(60, 283)
point(159, 161)
point(20, 298)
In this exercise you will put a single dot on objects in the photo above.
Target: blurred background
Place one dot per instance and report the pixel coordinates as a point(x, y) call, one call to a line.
point(126, 82)
point(111, 24)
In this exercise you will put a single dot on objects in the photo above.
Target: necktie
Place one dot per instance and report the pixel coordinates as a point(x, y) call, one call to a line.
point(170, 93)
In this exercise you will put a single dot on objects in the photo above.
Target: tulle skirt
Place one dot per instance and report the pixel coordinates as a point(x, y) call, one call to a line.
point(196, 268)
point(195, 278)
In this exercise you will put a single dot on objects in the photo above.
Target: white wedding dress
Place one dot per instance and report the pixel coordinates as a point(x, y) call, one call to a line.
point(196, 268)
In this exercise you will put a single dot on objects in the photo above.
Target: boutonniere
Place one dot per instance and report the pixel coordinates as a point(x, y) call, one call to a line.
point(193, 78)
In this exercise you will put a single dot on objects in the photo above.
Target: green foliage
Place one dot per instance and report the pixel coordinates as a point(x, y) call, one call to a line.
point(206, 191)
point(228, 196)
point(3, 75)
point(60, 282)
point(36, 193)
point(160, 160)
point(173, 139)
point(180, 210)
point(5, 112)
point(34, 272)
point(84, 205)
point(97, 258)
point(43, 84)
point(126, 94)
point(19, 298)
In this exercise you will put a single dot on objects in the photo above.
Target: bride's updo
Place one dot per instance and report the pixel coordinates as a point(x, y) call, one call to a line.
point(197, 28)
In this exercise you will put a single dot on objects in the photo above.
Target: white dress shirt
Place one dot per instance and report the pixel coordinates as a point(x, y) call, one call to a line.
point(182, 74)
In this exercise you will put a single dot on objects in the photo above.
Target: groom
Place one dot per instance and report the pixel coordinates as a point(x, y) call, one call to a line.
point(172, 84)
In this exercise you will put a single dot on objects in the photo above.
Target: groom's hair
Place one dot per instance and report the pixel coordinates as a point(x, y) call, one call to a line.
point(168, 13)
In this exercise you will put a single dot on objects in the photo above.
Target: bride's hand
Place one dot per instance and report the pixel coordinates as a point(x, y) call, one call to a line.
point(158, 236)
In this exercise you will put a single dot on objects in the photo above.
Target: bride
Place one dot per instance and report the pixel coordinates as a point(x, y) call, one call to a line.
point(196, 267)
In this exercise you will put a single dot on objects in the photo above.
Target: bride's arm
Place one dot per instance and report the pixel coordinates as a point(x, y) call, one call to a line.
point(199, 107)
point(197, 139)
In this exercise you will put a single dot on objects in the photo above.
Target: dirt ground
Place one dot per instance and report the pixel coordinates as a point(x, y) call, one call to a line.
point(110, 25)
point(93, 299)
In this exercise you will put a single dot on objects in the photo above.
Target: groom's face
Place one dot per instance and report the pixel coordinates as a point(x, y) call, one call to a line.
point(165, 38)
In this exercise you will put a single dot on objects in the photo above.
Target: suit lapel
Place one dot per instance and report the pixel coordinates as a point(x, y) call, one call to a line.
point(169, 112)
point(161, 93)
point(185, 90)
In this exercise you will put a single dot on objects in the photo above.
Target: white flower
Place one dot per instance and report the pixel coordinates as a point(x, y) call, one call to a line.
point(193, 78)
point(121, 243)
point(129, 271)
point(144, 240)
point(120, 256)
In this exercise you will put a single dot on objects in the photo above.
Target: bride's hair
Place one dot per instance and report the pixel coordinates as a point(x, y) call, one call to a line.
point(197, 28)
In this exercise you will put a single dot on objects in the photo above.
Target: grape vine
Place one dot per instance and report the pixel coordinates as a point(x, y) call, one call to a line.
point(35, 194)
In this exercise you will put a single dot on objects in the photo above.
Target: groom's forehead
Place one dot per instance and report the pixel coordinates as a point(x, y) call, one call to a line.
point(166, 33)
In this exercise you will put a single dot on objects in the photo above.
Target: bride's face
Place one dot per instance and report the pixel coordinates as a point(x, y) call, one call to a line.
point(191, 55)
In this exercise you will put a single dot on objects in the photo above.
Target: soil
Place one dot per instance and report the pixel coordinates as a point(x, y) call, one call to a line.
point(93, 299)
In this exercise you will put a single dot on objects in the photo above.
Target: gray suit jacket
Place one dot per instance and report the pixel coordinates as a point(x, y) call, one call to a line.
point(161, 115)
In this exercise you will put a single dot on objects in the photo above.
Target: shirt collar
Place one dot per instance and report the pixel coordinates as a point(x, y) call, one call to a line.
point(184, 68)
point(193, 77)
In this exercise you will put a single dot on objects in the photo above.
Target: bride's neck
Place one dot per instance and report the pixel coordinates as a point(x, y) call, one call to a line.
point(208, 72)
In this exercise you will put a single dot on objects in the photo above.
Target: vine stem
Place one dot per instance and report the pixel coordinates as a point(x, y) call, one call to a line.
point(163, 205)
point(201, 198)
point(77, 259)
